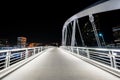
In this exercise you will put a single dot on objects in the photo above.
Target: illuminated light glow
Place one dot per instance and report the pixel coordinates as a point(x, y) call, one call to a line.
point(100, 34)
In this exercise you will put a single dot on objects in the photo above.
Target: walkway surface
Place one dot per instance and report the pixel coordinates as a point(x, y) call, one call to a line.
point(59, 65)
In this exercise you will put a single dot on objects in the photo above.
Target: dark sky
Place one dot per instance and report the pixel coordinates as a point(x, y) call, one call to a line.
point(39, 21)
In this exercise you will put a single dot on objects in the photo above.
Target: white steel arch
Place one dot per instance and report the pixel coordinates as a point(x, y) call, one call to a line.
point(105, 6)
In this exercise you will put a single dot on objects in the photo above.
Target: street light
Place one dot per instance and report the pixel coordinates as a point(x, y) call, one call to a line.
point(103, 41)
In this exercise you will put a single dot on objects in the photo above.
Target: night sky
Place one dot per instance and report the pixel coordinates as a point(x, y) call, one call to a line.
point(38, 21)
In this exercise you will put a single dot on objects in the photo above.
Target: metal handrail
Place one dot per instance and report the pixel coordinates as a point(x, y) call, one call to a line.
point(109, 57)
point(10, 57)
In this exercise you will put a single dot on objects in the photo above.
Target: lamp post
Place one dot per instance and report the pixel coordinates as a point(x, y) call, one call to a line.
point(103, 41)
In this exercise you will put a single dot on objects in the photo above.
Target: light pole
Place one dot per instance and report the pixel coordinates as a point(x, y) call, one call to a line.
point(103, 41)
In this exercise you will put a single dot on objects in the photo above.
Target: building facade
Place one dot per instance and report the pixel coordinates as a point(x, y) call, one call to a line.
point(21, 42)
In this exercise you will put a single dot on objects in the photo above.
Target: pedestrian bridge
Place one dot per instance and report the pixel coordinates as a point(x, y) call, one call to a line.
point(69, 61)
point(57, 63)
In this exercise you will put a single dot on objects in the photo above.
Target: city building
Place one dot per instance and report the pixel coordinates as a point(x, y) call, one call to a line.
point(33, 44)
point(3, 42)
point(116, 35)
point(21, 42)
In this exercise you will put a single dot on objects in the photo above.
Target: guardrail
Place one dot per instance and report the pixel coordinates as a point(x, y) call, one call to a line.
point(10, 57)
point(109, 57)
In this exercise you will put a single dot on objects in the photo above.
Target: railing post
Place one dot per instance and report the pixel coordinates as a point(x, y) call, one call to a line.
point(88, 54)
point(114, 61)
point(111, 58)
point(41, 48)
point(72, 49)
point(26, 54)
point(69, 49)
point(77, 50)
point(34, 51)
point(8, 59)
point(21, 55)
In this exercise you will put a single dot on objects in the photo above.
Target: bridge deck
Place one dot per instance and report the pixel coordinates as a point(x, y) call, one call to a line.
point(59, 65)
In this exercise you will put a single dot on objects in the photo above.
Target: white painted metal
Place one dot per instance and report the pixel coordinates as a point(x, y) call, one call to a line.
point(57, 64)
point(110, 57)
point(73, 34)
point(66, 33)
point(107, 59)
point(108, 5)
point(102, 7)
point(10, 57)
point(69, 35)
point(91, 18)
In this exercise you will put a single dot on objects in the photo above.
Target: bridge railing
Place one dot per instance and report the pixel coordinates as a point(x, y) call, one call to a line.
point(109, 57)
point(10, 57)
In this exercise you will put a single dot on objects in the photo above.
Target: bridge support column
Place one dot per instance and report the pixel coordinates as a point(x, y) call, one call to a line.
point(73, 33)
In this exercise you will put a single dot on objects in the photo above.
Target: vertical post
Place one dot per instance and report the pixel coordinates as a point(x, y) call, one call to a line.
point(77, 50)
point(39, 49)
point(88, 54)
point(83, 43)
point(34, 51)
point(42, 48)
point(91, 18)
point(71, 49)
point(8, 59)
point(65, 36)
point(114, 61)
point(73, 34)
point(26, 54)
point(111, 59)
